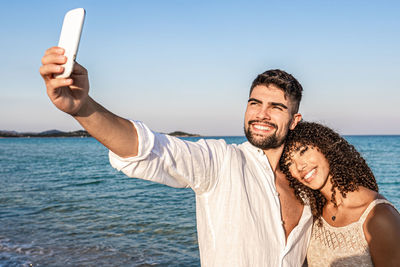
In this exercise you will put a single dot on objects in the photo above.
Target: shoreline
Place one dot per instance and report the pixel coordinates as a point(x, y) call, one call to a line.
point(79, 133)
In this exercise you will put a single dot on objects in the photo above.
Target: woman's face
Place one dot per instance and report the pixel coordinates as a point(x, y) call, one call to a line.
point(309, 166)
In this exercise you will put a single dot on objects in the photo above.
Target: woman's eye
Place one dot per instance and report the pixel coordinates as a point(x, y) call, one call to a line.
point(303, 150)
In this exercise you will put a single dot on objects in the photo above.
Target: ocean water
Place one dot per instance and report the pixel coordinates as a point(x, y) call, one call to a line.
point(62, 204)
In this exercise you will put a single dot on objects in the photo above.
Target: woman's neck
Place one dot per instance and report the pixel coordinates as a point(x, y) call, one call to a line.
point(326, 191)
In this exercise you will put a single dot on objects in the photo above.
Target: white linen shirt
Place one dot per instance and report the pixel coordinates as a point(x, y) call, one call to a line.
point(237, 206)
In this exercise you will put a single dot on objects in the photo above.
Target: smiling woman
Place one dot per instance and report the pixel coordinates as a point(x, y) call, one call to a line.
point(310, 167)
point(353, 223)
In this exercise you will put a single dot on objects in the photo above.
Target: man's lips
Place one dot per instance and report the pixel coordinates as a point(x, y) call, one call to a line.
point(262, 126)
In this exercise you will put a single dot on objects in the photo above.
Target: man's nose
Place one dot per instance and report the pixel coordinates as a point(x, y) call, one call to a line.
point(264, 113)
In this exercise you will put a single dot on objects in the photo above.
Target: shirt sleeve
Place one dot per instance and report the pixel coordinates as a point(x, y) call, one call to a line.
point(172, 161)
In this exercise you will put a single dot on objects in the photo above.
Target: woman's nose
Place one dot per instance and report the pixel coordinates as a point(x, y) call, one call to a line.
point(301, 165)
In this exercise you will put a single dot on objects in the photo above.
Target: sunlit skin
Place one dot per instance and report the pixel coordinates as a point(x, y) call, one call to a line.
point(71, 95)
point(310, 167)
point(269, 112)
point(381, 228)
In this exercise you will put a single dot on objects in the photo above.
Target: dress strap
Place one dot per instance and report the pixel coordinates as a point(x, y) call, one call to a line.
point(371, 206)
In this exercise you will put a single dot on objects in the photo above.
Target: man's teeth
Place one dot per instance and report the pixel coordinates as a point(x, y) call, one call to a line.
point(260, 127)
point(308, 175)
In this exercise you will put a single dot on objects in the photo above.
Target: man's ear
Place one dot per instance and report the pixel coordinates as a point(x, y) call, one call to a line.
point(295, 120)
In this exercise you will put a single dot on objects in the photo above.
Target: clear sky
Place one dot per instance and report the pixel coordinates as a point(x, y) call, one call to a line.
point(187, 65)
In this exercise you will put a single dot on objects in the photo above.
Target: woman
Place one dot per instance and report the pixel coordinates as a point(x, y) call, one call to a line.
point(353, 224)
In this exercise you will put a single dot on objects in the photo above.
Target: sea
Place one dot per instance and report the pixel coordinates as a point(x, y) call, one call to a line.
point(62, 204)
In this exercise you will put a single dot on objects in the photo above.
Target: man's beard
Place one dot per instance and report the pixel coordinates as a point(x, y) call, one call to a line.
point(267, 142)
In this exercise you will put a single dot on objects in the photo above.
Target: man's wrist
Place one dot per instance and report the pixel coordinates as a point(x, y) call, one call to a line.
point(86, 109)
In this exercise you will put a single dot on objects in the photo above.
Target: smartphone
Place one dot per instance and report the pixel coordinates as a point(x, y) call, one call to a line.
point(70, 37)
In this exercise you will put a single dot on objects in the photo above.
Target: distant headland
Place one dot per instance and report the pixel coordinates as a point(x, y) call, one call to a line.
point(182, 134)
point(80, 133)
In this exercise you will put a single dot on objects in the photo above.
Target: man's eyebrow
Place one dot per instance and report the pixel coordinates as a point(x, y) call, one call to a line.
point(279, 104)
point(254, 99)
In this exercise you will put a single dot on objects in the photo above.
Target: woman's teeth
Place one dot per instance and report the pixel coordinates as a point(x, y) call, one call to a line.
point(308, 175)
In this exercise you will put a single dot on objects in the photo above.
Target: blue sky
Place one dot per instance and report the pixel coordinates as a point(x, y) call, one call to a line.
point(187, 65)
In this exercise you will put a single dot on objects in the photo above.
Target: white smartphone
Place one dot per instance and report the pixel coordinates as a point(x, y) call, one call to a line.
point(70, 37)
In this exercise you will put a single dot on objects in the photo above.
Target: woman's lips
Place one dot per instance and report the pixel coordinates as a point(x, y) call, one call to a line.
point(308, 176)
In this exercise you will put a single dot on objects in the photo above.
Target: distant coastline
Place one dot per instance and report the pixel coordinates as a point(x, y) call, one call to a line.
point(83, 133)
point(80, 133)
point(183, 134)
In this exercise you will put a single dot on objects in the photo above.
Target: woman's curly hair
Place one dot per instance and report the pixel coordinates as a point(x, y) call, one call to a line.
point(347, 167)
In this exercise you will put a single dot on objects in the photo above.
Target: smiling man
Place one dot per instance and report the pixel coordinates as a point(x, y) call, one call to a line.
point(265, 105)
point(247, 215)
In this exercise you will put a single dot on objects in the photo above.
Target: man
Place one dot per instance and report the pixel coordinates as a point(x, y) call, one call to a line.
point(247, 214)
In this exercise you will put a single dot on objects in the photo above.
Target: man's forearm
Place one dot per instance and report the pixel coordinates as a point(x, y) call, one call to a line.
point(116, 133)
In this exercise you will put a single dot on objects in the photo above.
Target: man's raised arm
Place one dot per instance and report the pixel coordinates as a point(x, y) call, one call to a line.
point(71, 95)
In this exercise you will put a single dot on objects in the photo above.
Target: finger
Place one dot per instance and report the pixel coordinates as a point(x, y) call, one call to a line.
point(59, 82)
point(54, 59)
point(47, 71)
point(54, 50)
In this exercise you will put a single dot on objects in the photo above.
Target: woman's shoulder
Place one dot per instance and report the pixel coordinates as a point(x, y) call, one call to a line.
point(382, 215)
point(382, 233)
point(381, 218)
point(366, 196)
point(376, 207)
point(359, 202)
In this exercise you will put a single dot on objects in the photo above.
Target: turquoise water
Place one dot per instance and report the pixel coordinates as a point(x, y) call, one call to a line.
point(62, 204)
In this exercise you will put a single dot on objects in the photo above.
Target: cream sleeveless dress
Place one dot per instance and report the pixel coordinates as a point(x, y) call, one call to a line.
point(341, 246)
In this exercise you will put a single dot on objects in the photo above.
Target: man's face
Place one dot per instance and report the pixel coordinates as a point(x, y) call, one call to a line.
point(268, 117)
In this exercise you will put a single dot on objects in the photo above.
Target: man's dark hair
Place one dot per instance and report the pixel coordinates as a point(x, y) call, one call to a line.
point(284, 81)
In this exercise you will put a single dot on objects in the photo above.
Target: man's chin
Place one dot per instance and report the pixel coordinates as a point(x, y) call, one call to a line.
point(263, 142)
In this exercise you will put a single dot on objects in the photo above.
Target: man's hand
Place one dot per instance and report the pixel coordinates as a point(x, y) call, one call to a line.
point(71, 96)
point(67, 94)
